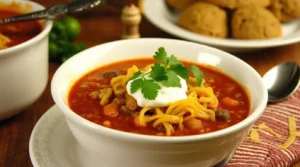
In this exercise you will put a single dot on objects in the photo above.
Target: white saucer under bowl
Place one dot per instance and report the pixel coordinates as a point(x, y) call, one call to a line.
point(53, 145)
point(159, 15)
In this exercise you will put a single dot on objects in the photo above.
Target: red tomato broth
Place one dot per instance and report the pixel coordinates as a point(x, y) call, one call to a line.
point(80, 102)
point(18, 32)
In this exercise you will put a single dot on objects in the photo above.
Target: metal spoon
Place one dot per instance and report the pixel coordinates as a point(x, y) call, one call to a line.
point(54, 11)
point(282, 81)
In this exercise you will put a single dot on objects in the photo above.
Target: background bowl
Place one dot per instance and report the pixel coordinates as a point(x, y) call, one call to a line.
point(116, 148)
point(24, 67)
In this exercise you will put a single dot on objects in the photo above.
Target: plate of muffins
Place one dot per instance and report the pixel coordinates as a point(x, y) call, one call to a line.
point(230, 25)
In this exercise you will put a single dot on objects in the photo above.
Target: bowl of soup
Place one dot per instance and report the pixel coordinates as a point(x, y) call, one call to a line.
point(158, 102)
point(23, 58)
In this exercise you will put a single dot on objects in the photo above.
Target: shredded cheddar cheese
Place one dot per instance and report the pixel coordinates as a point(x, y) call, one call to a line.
point(254, 136)
point(288, 142)
point(142, 116)
point(292, 135)
point(4, 40)
point(263, 126)
point(292, 126)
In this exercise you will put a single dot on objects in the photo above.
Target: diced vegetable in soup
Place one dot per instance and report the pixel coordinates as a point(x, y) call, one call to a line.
point(137, 96)
point(15, 33)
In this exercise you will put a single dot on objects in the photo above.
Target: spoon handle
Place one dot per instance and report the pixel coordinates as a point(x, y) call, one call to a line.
point(54, 11)
point(49, 13)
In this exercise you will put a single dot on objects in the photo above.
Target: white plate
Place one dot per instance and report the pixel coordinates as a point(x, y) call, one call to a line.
point(53, 145)
point(157, 13)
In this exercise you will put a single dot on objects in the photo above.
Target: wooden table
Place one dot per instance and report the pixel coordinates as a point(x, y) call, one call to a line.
point(99, 26)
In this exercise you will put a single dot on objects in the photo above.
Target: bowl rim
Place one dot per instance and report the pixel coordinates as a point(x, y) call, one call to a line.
point(45, 30)
point(69, 114)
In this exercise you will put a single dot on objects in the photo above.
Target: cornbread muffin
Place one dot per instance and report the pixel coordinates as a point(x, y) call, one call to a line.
point(206, 19)
point(255, 23)
point(285, 10)
point(180, 4)
point(246, 3)
point(233, 4)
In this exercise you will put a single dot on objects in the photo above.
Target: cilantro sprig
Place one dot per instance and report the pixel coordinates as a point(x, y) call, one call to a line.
point(166, 71)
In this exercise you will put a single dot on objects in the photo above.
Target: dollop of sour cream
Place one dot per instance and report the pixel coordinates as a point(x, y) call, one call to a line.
point(166, 95)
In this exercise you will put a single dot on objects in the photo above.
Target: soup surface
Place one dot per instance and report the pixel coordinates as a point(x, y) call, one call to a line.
point(233, 102)
point(15, 33)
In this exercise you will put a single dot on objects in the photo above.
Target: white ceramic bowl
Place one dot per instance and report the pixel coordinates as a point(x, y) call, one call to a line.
point(115, 148)
point(24, 67)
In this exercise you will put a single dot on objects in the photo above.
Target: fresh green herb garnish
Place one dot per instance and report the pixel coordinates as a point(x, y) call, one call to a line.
point(150, 89)
point(166, 72)
point(158, 72)
point(197, 73)
point(136, 85)
point(172, 81)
